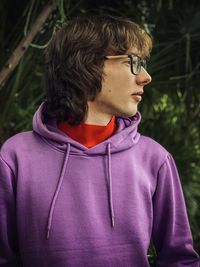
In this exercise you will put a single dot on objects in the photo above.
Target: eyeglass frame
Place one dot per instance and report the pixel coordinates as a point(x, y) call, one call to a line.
point(141, 62)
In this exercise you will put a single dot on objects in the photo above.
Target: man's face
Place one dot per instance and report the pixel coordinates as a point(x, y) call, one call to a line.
point(118, 86)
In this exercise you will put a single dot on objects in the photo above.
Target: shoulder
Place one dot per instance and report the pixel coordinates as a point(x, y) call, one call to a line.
point(17, 144)
point(16, 140)
point(152, 144)
point(152, 151)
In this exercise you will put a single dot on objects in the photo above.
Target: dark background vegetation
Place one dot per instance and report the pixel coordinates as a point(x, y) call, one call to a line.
point(171, 105)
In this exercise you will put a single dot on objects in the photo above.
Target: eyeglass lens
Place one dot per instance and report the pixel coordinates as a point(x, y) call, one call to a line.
point(136, 64)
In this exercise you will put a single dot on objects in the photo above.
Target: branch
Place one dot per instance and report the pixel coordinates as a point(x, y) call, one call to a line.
point(24, 44)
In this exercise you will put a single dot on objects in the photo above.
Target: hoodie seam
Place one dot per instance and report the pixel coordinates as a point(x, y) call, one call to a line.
point(51, 146)
point(55, 148)
point(165, 159)
point(162, 164)
point(78, 249)
point(4, 161)
point(63, 151)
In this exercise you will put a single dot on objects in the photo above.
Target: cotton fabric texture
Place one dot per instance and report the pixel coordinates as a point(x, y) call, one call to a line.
point(65, 205)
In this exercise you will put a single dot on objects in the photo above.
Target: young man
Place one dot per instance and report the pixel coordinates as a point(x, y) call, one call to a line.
point(84, 188)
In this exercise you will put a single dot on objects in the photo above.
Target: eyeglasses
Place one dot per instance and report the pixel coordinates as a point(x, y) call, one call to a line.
point(135, 62)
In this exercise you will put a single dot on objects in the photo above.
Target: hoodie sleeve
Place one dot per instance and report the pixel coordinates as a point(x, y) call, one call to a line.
point(171, 235)
point(8, 232)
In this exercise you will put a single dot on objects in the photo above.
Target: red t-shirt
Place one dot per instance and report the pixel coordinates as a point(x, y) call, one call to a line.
point(89, 135)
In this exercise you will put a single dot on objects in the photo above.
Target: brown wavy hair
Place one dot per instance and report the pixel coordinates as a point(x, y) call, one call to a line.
point(75, 60)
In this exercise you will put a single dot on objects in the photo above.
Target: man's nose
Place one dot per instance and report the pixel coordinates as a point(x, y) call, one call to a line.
point(143, 78)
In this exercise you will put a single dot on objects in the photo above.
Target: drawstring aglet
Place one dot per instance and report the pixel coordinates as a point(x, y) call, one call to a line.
point(48, 233)
point(113, 222)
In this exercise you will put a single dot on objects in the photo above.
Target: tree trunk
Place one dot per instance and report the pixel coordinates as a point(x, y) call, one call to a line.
point(24, 44)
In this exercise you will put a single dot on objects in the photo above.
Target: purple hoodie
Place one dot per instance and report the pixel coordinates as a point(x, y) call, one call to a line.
point(65, 205)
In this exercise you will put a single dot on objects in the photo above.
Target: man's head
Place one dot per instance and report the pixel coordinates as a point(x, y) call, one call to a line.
point(76, 61)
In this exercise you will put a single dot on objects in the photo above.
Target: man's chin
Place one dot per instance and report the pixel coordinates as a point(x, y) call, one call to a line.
point(127, 115)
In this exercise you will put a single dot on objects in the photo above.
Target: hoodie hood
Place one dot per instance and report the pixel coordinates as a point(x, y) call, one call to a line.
point(125, 137)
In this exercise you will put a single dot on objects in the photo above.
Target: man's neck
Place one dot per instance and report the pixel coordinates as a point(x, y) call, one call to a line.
point(95, 117)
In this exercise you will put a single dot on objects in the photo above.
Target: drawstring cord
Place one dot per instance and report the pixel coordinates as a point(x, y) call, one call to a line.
point(110, 188)
point(50, 217)
point(57, 192)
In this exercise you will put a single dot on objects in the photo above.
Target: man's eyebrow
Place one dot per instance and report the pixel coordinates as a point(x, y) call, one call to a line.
point(134, 54)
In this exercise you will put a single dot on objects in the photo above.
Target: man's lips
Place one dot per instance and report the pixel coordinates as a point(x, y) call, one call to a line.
point(138, 96)
point(138, 93)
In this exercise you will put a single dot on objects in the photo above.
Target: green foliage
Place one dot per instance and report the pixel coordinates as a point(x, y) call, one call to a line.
point(170, 108)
